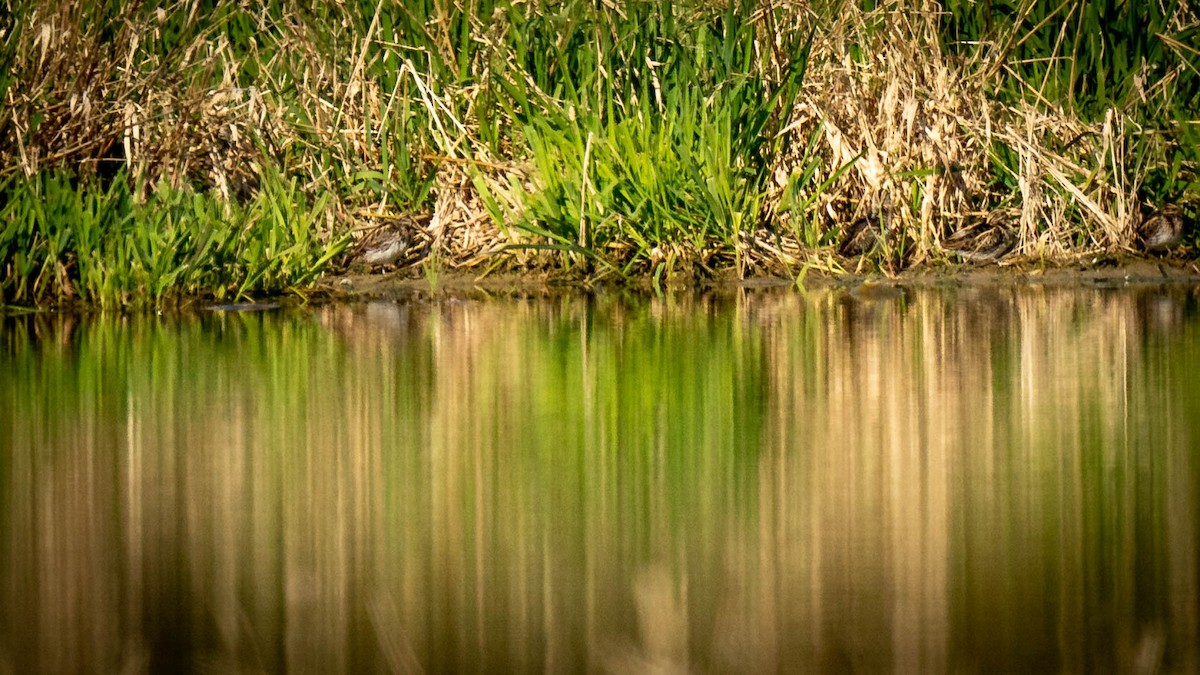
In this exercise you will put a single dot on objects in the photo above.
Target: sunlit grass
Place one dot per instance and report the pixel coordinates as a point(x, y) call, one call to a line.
point(99, 245)
point(632, 141)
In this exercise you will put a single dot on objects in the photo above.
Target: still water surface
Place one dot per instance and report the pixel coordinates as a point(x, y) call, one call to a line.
point(969, 480)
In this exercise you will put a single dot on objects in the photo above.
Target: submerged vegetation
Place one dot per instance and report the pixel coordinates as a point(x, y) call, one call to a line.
point(150, 153)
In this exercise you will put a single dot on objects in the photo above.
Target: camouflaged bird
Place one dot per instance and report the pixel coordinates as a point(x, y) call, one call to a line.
point(1162, 230)
point(860, 238)
point(982, 240)
point(391, 243)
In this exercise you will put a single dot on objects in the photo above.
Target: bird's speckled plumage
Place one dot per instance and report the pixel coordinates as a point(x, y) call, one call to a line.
point(860, 237)
point(393, 242)
point(982, 240)
point(1162, 230)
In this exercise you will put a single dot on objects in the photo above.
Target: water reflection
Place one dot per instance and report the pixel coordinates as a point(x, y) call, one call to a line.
point(972, 479)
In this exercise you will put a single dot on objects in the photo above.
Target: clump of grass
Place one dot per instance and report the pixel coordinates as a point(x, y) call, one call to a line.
point(61, 241)
point(973, 113)
point(640, 168)
point(158, 123)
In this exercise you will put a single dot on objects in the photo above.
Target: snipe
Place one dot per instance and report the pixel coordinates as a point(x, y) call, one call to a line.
point(389, 243)
point(1162, 230)
point(871, 242)
point(861, 237)
point(982, 240)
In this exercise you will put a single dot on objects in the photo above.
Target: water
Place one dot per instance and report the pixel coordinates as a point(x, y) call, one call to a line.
point(972, 479)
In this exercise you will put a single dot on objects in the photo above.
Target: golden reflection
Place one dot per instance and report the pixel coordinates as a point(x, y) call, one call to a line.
point(970, 479)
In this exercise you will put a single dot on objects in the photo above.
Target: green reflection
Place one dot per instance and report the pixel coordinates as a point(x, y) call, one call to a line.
point(975, 479)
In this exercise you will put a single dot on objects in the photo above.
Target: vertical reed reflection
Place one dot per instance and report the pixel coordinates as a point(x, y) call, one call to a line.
point(974, 480)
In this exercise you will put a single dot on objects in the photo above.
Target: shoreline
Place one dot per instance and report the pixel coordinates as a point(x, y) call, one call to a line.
point(399, 286)
point(410, 286)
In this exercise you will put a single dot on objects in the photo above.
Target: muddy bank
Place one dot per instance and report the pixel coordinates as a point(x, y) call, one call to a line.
point(415, 285)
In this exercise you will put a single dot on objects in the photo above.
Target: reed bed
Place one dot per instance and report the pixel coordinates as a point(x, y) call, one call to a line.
point(649, 141)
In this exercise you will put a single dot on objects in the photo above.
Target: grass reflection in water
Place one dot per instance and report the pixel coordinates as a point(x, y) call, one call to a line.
point(976, 479)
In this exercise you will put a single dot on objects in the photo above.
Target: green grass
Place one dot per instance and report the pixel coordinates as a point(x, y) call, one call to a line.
point(674, 155)
point(63, 241)
point(1095, 56)
point(635, 141)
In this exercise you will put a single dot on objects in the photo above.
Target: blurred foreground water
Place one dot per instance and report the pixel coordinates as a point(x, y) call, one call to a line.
point(973, 479)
